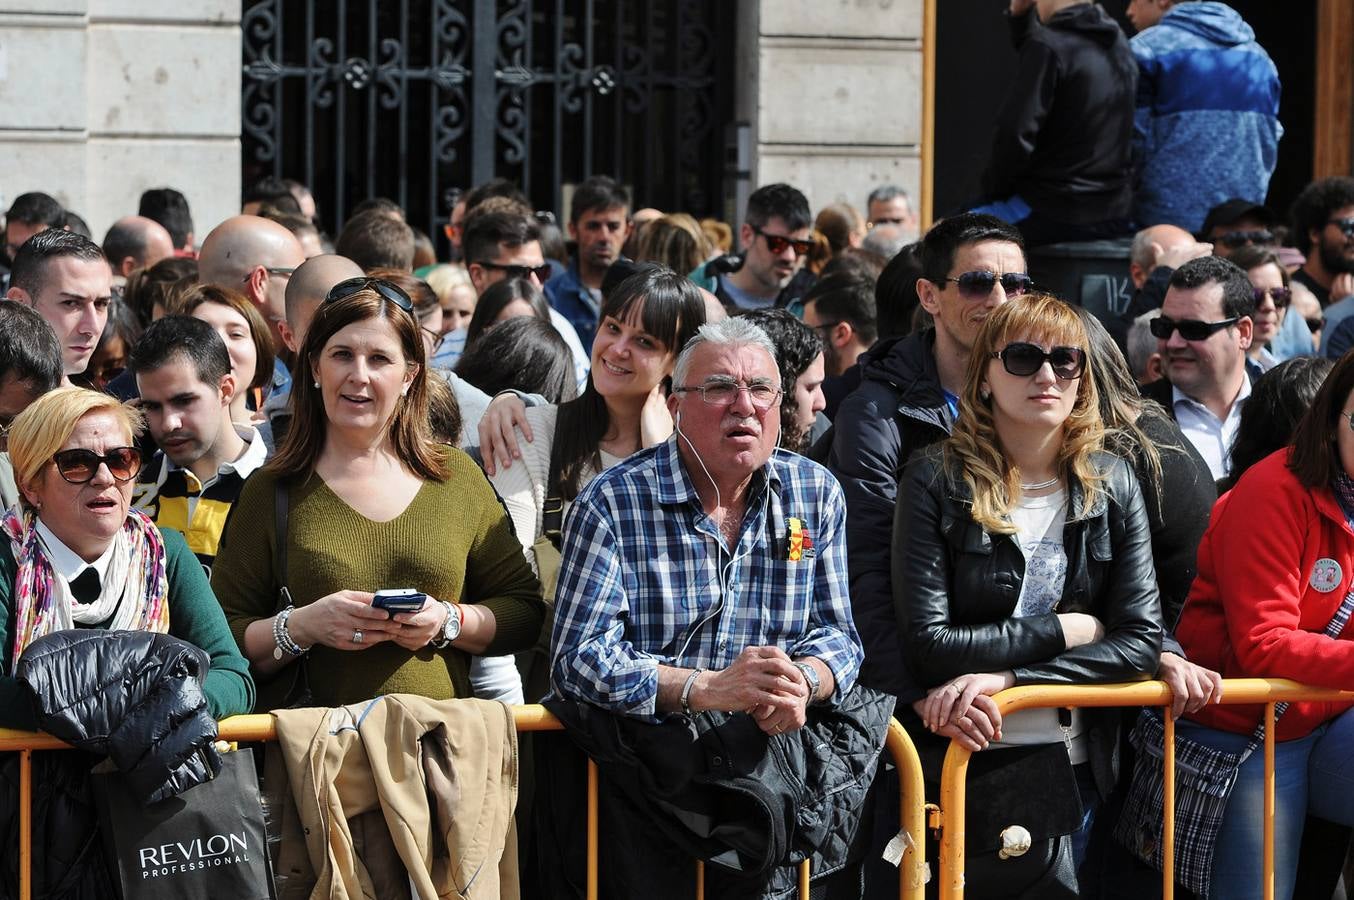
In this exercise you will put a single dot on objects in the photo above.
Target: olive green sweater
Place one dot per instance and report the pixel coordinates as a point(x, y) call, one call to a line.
point(454, 542)
point(194, 616)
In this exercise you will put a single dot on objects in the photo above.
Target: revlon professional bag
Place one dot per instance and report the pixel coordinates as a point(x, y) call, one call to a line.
point(204, 844)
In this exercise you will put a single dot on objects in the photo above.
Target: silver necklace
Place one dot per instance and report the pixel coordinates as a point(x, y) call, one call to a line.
point(1043, 485)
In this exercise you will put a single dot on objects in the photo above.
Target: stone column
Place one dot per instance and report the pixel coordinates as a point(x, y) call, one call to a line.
point(102, 99)
point(832, 91)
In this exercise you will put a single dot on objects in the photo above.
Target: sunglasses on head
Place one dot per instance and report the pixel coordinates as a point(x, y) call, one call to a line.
point(1190, 329)
point(1346, 225)
point(385, 289)
point(79, 466)
point(1281, 295)
point(542, 272)
point(1023, 359)
point(777, 243)
point(980, 284)
point(1234, 239)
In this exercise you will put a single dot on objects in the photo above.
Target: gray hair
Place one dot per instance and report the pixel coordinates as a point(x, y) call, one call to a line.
point(886, 240)
point(1141, 252)
point(886, 192)
point(1140, 343)
point(734, 331)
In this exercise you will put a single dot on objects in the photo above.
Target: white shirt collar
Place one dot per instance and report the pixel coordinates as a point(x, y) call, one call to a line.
point(1179, 396)
point(255, 454)
point(65, 561)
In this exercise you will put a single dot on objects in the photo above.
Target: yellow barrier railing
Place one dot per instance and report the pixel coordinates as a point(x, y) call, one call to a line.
point(261, 728)
point(1143, 693)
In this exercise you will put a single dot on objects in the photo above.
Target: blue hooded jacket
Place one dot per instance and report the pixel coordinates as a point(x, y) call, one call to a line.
point(1206, 127)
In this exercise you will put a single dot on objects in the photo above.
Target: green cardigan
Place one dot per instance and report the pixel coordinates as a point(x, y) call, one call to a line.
point(194, 616)
point(454, 542)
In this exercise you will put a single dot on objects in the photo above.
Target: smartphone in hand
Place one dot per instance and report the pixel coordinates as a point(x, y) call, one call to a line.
point(399, 600)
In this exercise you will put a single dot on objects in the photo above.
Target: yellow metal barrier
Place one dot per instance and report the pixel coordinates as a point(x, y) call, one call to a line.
point(1143, 693)
point(260, 728)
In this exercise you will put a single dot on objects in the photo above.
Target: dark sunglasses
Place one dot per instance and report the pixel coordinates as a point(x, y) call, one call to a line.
point(777, 243)
point(1281, 295)
point(542, 272)
point(980, 284)
point(388, 291)
point(79, 466)
point(1023, 359)
point(1190, 329)
point(1346, 225)
point(1234, 239)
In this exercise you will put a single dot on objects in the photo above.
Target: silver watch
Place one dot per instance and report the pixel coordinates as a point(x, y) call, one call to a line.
point(810, 676)
point(451, 628)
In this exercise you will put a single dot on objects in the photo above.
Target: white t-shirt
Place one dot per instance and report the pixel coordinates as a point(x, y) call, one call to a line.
point(1039, 534)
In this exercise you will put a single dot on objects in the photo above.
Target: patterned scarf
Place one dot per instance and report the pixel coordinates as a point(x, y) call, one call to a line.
point(1344, 495)
point(42, 599)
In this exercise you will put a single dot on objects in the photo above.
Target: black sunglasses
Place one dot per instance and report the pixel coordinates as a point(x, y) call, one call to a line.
point(1281, 295)
point(391, 292)
point(1346, 225)
point(980, 284)
point(542, 272)
point(1190, 329)
point(777, 243)
point(1234, 239)
point(79, 466)
point(1023, 359)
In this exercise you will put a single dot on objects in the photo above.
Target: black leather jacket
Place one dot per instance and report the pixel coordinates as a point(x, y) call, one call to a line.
point(956, 585)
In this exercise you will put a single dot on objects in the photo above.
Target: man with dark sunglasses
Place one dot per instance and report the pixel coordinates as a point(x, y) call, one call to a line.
point(1237, 223)
point(775, 239)
point(1203, 334)
point(599, 221)
point(1323, 229)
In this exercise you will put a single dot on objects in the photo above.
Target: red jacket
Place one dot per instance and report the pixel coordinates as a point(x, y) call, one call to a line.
point(1274, 565)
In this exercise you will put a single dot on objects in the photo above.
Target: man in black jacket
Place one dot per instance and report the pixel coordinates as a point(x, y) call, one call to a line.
point(907, 400)
point(1061, 156)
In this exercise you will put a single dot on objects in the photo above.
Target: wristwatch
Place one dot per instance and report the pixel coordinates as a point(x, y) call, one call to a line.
point(451, 628)
point(810, 676)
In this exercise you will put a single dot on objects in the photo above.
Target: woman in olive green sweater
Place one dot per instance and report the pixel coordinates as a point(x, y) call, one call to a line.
point(373, 502)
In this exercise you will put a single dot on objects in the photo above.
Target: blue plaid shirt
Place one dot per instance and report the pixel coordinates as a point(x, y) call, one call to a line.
point(646, 579)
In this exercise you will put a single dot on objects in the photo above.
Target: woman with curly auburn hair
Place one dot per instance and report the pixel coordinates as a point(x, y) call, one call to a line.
point(1022, 554)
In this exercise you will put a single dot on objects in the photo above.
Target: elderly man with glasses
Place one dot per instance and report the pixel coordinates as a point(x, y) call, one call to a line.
point(703, 590)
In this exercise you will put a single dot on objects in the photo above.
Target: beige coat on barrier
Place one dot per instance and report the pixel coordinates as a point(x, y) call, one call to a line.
point(402, 783)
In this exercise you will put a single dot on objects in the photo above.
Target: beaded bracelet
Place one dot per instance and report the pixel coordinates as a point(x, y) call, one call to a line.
point(282, 638)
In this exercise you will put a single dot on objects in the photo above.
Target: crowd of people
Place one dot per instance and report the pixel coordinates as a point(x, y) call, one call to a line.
point(728, 499)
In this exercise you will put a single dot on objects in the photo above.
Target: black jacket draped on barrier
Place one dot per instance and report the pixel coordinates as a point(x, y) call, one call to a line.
point(711, 786)
point(133, 696)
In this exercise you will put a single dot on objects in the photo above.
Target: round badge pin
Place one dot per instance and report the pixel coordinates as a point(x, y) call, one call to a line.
point(1326, 575)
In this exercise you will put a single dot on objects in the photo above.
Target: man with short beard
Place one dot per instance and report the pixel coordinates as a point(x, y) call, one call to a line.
point(775, 239)
point(1323, 228)
point(183, 374)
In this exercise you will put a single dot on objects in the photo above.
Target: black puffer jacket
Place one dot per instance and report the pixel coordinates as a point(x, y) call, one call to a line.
point(715, 787)
point(134, 696)
point(959, 584)
point(898, 409)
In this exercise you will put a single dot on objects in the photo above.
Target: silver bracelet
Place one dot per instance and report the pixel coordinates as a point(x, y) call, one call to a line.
point(282, 638)
point(686, 690)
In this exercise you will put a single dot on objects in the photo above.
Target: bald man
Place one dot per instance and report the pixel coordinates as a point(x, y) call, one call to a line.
point(256, 257)
point(135, 242)
point(1157, 252)
point(306, 290)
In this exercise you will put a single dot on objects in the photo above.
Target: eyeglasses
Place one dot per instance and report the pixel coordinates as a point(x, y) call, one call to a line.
point(722, 393)
point(1022, 359)
point(436, 337)
point(1346, 225)
point(1190, 329)
point(385, 289)
point(1234, 239)
point(779, 243)
point(1281, 295)
point(885, 221)
point(542, 272)
point(980, 284)
point(79, 466)
point(280, 270)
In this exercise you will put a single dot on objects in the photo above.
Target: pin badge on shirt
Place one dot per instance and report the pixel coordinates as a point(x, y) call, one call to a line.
point(1326, 575)
point(800, 543)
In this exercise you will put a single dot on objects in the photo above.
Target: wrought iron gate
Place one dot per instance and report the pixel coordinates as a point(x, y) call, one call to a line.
point(410, 99)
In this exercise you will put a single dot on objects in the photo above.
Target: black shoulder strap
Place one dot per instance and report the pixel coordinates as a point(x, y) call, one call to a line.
point(281, 518)
point(552, 513)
